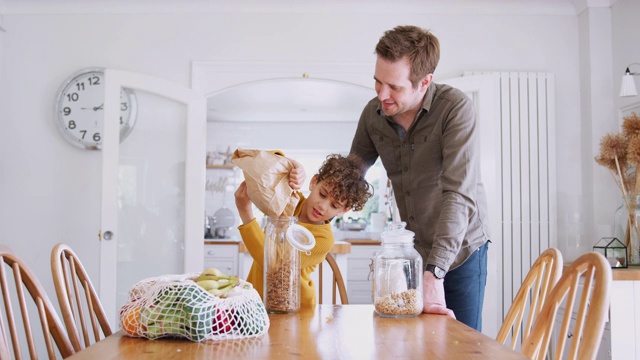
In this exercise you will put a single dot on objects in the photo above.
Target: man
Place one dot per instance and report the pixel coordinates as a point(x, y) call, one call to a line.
point(425, 134)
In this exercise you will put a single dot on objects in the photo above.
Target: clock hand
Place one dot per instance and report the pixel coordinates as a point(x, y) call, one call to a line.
point(96, 108)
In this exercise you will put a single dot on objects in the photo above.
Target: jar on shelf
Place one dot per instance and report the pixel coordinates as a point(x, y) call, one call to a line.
point(283, 241)
point(397, 274)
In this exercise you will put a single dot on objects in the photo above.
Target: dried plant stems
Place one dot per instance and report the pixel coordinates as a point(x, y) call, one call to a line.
point(620, 153)
point(630, 206)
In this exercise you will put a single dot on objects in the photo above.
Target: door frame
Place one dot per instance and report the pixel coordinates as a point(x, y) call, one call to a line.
point(194, 174)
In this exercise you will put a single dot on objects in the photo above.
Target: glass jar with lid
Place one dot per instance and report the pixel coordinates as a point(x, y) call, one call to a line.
point(397, 274)
point(283, 241)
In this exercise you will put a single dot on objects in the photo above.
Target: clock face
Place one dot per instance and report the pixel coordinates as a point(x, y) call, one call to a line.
point(80, 109)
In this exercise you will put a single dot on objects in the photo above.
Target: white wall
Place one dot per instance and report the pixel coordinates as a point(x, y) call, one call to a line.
point(50, 191)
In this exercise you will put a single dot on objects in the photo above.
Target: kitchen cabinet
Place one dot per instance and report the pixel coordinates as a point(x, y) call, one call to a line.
point(624, 314)
point(359, 263)
point(222, 256)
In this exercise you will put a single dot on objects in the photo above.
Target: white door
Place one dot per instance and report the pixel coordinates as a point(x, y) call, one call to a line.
point(483, 90)
point(153, 186)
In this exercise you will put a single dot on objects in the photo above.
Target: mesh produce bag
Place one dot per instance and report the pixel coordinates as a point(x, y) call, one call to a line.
point(175, 306)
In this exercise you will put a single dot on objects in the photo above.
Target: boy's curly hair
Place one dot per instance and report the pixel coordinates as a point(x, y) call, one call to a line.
point(346, 176)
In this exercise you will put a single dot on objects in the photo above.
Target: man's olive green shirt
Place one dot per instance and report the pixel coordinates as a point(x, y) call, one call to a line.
point(435, 170)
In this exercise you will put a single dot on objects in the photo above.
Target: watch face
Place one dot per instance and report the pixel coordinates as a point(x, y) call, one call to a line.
point(79, 109)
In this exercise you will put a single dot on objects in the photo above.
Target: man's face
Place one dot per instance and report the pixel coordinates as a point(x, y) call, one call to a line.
point(395, 92)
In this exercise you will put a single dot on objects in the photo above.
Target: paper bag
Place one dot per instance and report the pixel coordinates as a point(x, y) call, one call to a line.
point(267, 178)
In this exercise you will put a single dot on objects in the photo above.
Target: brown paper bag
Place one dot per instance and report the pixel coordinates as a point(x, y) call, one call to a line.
point(267, 178)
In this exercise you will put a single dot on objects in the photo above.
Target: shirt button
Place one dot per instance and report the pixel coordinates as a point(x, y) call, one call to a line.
point(410, 218)
point(407, 193)
point(405, 169)
point(380, 138)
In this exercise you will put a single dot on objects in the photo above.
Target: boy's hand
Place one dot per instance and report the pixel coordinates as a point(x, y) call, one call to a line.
point(243, 203)
point(297, 176)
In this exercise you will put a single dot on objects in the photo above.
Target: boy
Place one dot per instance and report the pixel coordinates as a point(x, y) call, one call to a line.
point(336, 188)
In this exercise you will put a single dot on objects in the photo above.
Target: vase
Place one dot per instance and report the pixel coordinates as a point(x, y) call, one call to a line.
point(627, 227)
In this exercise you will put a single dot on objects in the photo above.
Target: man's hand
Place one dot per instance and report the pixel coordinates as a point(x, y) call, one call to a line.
point(433, 296)
point(297, 175)
point(243, 203)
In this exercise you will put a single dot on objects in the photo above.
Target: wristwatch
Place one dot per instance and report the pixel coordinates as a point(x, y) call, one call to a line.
point(437, 272)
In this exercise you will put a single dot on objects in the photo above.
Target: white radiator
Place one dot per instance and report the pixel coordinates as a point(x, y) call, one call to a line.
point(527, 166)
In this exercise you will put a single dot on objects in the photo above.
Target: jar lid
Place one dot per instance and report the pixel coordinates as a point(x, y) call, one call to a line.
point(397, 234)
point(300, 238)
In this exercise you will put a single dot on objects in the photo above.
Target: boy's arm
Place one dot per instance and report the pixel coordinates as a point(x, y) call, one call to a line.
point(253, 238)
point(250, 231)
point(243, 203)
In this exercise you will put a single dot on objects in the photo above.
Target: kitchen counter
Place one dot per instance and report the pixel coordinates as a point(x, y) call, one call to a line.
point(221, 241)
point(632, 273)
point(363, 241)
point(339, 247)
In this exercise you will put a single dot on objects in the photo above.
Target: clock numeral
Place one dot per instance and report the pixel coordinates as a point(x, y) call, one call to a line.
point(80, 86)
point(66, 111)
point(73, 97)
point(71, 125)
point(96, 137)
point(124, 106)
point(121, 121)
point(84, 132)
point(94, 80)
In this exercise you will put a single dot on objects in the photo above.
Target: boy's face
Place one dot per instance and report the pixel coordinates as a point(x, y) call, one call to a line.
point(320, 206)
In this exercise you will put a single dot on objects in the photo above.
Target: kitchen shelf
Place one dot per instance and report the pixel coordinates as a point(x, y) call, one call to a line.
point(224, 166)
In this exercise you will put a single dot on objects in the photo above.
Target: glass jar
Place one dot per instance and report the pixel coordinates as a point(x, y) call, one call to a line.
point(397, 274)
point(627, 227)
point(283, 241)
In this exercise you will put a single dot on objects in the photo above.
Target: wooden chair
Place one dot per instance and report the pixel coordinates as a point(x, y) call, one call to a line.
point(336, 283)
point(15, 277)
point(5, 353)
point(540, 279)
point(78, 300)
point(593, 306)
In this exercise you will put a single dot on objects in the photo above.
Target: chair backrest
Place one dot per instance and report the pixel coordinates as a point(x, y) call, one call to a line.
point(590, 318)
point(15, 277)
point(336, 283)
point(5, 353)
point(82, 312)
point(540, 279)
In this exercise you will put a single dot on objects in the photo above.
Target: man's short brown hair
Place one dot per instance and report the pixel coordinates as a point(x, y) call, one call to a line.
point(420, 46)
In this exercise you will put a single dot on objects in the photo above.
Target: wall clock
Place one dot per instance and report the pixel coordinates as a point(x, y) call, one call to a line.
point(79, 110)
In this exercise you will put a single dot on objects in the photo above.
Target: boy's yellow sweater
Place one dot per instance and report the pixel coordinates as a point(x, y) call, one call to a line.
point(253, 238)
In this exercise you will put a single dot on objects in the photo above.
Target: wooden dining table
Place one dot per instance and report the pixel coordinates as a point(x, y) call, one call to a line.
point(322, 332)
